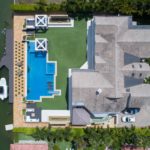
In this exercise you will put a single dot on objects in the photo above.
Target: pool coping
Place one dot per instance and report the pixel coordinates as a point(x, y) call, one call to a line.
point(26, 77)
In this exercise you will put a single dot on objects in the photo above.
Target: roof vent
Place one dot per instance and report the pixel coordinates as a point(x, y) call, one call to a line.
point(140, 65)
point(133, 74)
point(128, 90)
point(99, 91)
point(140, 75)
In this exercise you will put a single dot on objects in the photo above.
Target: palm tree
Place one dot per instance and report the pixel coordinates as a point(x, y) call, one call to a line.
point(50, 137)
point(58, 135)
point(39, 134)
point(79, 142)
point(107, 139)
point(67, 134)
point(94, 137)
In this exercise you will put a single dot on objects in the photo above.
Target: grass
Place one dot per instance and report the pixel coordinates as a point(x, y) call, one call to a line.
point(5, 116)
point(67, 46)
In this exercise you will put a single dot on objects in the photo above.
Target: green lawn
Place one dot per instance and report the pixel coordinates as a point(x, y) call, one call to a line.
point(67, 46)
point(5, 117)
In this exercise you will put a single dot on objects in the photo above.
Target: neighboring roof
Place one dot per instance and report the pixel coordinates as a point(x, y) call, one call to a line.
point(29, 147)
point(134, 148)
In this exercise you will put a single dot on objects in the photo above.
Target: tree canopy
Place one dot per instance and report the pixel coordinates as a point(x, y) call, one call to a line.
point(124, 7)
point(95, 138)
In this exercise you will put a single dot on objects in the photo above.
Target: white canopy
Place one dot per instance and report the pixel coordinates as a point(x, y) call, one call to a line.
point(41, 21)
point(56, 116)
point(41, 44)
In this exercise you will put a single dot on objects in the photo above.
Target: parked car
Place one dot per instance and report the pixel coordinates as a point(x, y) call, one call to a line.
point(131, 111)
point(128, 119)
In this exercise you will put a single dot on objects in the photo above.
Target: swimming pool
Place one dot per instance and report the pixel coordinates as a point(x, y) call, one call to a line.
point(40, 74)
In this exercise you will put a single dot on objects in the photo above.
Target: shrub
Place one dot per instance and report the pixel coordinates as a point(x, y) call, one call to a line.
point(24, 7)
point(56, 147)
point(52, 7)
point(23, 111)
point(27, 131)
point(127, 7)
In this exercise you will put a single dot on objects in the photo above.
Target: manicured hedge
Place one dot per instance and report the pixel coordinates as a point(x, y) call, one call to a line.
point(24, 7)
point(27, 131)
point(127, 7)
point(36, 7)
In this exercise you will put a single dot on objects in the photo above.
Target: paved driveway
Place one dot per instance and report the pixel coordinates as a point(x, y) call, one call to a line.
point(141, 119)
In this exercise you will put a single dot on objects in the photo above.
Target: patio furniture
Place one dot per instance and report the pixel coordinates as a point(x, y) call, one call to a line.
point(29, 119)
point(30, 110)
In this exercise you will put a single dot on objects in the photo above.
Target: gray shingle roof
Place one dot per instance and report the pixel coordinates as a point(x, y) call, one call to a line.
point(118, 50)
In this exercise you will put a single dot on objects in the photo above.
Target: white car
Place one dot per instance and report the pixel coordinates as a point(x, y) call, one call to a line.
point(128, 119)
point(3, 89)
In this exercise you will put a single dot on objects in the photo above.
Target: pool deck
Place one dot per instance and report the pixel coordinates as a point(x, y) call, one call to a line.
point(19, 74)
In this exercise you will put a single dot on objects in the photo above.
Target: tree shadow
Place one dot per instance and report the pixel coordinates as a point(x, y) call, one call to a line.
point(42, 30)
point(67, 93)
point(81, 15)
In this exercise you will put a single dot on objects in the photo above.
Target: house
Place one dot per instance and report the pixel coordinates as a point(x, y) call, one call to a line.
point(18, 146)
point(114, 80)
point(133, 148)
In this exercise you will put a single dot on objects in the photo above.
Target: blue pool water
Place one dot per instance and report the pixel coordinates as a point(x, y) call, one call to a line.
point(40, 74)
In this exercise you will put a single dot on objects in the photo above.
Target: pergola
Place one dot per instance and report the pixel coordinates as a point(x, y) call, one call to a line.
point(41, 21)
point(40, 44)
